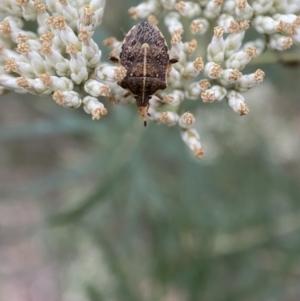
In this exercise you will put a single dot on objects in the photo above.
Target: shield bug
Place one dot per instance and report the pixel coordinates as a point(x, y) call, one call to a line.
point(145, 56)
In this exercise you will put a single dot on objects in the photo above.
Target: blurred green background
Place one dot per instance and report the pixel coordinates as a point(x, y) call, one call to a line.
point(110, 210)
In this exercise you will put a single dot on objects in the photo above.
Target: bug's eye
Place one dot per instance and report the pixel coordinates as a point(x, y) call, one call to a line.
point(135, 96)
point(150, 97)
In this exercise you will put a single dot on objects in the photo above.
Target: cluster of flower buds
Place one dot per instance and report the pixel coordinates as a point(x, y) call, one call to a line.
point(62, 59)
point(226, 53)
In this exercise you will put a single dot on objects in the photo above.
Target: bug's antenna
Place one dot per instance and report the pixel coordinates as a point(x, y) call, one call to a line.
point(124, 33)
point(145, 123)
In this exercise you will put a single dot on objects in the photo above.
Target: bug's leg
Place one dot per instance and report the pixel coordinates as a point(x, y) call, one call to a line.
point(113, 58)
point(114, 55)
point(127, 94)
point(173, 58)
point(148, 106)
point(159, 96)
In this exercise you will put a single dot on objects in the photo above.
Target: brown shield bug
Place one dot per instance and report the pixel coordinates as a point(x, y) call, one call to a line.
point(145, 57)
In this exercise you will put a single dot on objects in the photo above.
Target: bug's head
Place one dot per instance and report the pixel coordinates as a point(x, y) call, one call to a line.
point(142, 100)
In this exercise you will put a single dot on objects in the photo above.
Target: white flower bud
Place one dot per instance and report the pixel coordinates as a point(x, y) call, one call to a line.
point(204, 85)
point(52, 6)
point(215, 93)
point(67, 99)
point(68, 36)
point(154, 114)
point(240, 59)
point(286, 18)
point(118, 95)
point(174, 79)
point(15, 21)
point(97, 7)
point(193, 91)
point(199, 26)
point(265, 24)
point(216, 48)
point(6, 53)
point(70, 13)
point(208, 96)
point(187, 120)
point(192, 69)
point(8, 8)
point(174, 99)
point(61, 65)
point(262, 7)
point(192, 139)
point(172, 21)
point(91, 16)
point(296, 36)
point(57, 83)
point(233, 42)
point(243, 10)
point(228, 7)
point(79, 72)
point(213, 9)
point(212, 70)
point(229, 76)
point(28, 10)
point(24, 69)
point(177, 50)
point(249, 81)
point(94, 107)
point(290, 7)
point(169, 118)
point(11, 27)
point(11, 83)
point(38, 64)
point(177, 98)
point(55, 58)
point(219, 92)
point(92, 54)
point(34, 86)
point(39, 87)
point(96, 88)
point(144, 9)
point(41, 18)
point(106, 73)
point(62, 30)
point(190, 47)
point(168, 4)
point(188, 9)
point(157, 102)
point(280, 42)
point(58, 44)
point(259, 44)
point(225, 21)
point(237, 102)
